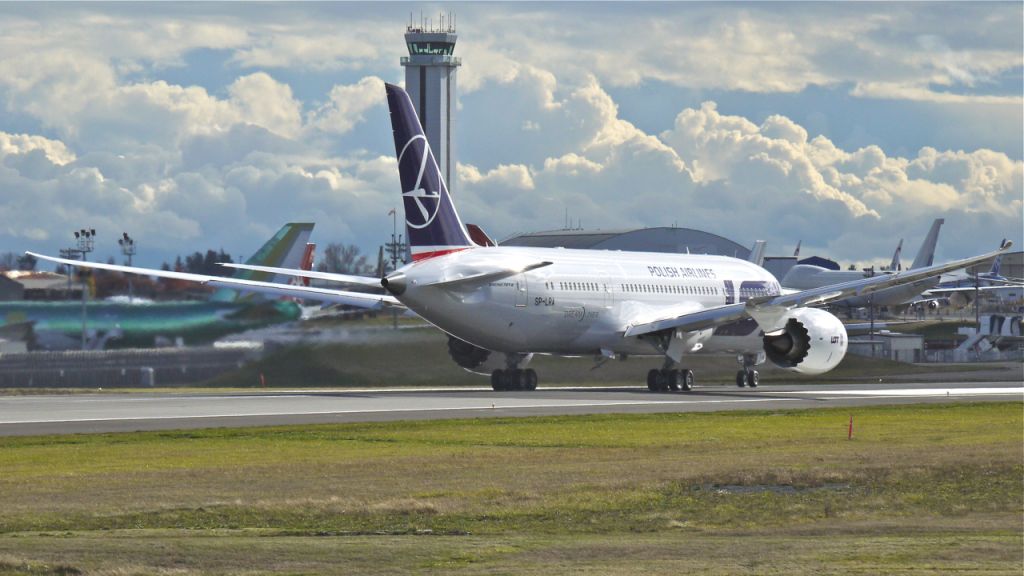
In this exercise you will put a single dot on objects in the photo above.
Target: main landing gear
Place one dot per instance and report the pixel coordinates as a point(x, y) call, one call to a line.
point(669, 378)
point(513, 377)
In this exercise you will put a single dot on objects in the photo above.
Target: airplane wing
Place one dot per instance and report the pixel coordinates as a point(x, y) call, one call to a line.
point(333, 277)
point(969, 289)
point(460, 283)
point(358, 299)
point(690, 322)
point(474, 280)
point(769, 311)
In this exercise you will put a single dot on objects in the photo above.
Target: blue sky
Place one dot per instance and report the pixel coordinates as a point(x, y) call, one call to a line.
point(194, 126)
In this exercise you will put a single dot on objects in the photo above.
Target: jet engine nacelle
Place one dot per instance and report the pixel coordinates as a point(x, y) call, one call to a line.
point(812, 342)
point(960, 299)
point(465, 354)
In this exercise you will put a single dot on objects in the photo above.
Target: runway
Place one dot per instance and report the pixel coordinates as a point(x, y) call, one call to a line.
point(89, 413)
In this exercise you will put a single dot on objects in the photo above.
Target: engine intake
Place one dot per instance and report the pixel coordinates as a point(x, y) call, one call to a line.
point(465, 354)
point(811, 342)
point(789, 348)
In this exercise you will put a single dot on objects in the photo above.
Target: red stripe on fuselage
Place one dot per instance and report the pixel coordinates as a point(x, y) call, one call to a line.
point(436, 253)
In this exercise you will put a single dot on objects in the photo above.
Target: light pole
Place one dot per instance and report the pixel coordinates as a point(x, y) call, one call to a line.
point(394, 248)
point(127, 244)
point(86, 240)
point(69, 254)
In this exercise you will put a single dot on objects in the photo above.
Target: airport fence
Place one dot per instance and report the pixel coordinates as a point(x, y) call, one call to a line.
point(118, 368)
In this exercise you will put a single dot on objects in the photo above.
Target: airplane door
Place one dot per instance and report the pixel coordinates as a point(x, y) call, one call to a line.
point(522, 293)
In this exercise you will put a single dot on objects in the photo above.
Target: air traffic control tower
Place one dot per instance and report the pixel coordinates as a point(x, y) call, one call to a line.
point(430, 81)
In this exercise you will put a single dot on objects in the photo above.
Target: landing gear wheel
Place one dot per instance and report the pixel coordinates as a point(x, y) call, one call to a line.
point(530, 376)
point(686, 379)
point(674, 379)
point(498, 380)
point(517, 380)
point(753, 378)
point(653, 377)
point(741, 378)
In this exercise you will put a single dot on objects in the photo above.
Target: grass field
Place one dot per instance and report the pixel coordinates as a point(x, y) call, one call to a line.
point(926, 489)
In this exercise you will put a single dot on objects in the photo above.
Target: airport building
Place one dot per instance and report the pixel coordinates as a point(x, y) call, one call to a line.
point(672, 240)
point(37, 285)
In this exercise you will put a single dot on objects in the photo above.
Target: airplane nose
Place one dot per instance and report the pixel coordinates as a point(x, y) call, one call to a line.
point(394, 283)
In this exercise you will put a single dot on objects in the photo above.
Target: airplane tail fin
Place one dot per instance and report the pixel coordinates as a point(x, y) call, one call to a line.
point(997, 264)
point(432, 225)
point(895, 265)
point(285, 249)
point(306, 263)
point(757, 252)
point(479, 236)
point(926, 255)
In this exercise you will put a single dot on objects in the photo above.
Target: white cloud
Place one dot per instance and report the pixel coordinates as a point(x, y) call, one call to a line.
point(261, 100)
point(108, 138)
point(346, 105)
point(317, 53)
point(731, 176)
point(21, 144)
point(515, 177)
point(735, 149)
point(922, 93)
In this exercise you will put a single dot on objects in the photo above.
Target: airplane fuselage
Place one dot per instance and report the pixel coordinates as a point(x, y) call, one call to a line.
point(584, 300)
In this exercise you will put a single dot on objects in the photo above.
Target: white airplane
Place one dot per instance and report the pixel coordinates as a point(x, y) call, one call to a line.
point(521, 301)
point(807, 276)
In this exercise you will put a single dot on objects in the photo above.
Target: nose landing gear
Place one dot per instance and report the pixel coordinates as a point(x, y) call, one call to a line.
point(747, 376)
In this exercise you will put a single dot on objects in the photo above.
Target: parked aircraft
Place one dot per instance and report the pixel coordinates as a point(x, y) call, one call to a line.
point(806, 276)
point(139, 322)
point(964, 279)
point(895, 265)
point(959, 289)
point(521, 301)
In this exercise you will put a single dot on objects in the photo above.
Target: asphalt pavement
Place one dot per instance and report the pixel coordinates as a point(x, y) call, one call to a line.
point(113, 412)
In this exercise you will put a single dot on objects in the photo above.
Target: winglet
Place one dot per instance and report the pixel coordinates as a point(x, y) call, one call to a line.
point(757, 252)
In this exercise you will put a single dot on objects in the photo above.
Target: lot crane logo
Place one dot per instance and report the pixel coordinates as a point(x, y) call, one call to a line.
point(422, 198)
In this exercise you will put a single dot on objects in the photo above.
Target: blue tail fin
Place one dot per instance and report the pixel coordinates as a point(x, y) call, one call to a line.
point(432, 225)
point(997, 264)
point(284, 250)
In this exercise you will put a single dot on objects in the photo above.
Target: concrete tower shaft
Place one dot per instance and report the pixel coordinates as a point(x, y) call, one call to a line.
point(430, 80)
